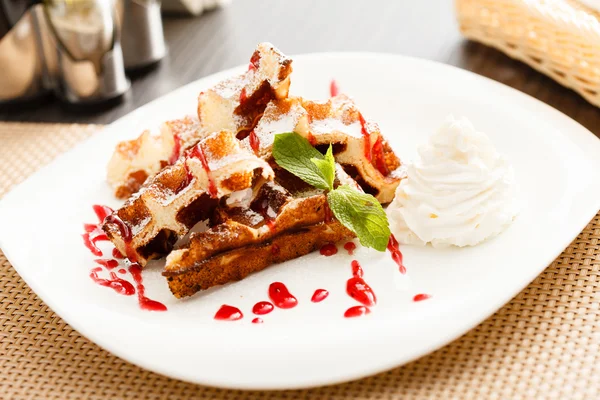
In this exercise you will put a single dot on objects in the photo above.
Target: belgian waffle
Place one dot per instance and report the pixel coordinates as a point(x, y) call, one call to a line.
point(237, 103)
point(133, 161)
point(172, 201)
point(234, 104)
point(284, 219)
point(217, 168)
point(357, 143)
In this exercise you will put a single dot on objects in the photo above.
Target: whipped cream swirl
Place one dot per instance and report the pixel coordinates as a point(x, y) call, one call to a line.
point(460, 190)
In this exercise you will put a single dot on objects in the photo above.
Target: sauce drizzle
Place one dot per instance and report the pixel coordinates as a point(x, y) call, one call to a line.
point(94, 232)
point(319, 295)
point(254, 141)
point(117, 254)
point(367, 137)
point(91, 245)
point(334, 90)
point(117, 284)
point(380, 157)
point(356, 311)
point(125, 234)
point(243, 96)
point(358, 289)
point(350, 247)
point(328, 250)
point(102, 212)
point(228, 313)
point(281, 296)
point(394, 250)
point(108, 263)
point(198, 153)
point(262, 308)
point(144, 302)
point(176, 149)
point(421, 297)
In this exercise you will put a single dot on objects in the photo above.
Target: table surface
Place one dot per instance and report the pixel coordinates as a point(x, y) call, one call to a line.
point(223, 38)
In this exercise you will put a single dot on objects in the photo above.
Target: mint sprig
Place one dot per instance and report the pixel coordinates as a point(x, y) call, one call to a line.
point(357, 211)
point(362, 214)
point(326, 166)
point(294, 153)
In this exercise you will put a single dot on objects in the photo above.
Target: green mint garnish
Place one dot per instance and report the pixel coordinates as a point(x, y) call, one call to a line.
point(362, 214)
point(357, 211)
point(294, 153)
point(326, 166)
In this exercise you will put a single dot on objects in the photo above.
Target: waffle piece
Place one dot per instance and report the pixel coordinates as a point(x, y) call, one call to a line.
point(358, 145)
point(285, 220)
point(182, 194)
point(133, 161)
point(234, 104)
point(237, 103)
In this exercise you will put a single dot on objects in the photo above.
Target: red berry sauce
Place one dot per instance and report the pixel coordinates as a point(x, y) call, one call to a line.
point(350, 247)
point(367, 137)
point(334, 90)
point(228, 313)
point(262, 308)
point(198, 153)
point(329, 250)
point(319, 295)
point(144, 302)
point(117, 284)
point(254, 141)
point(117, 254)
point(379, 157)
point(358, 289)
point(176, 149)
point(356, 311)
point(108, 263)
point(394, 250)
point(421, 297)
point(281, 296)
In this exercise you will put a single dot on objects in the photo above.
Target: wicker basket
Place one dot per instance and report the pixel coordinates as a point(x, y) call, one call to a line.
point(560, 38)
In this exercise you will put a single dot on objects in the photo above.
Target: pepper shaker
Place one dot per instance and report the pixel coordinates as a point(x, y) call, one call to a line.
point(142, 36)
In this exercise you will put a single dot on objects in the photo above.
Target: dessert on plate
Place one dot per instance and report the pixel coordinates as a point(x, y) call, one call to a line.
point(234, 105)
point(273, 177)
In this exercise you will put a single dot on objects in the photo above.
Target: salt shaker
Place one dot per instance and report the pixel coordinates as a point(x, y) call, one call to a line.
point(23, 73)
point(89, 62)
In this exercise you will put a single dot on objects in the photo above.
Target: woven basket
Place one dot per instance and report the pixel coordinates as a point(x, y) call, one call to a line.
point(560, 38)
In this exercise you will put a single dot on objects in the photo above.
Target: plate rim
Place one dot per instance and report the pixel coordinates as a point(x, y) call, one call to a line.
point(106, 345)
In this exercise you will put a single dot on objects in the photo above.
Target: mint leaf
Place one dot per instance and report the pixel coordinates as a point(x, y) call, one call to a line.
point(362, 214)
point(293, 153)
point(357, 211)
point(327, 166)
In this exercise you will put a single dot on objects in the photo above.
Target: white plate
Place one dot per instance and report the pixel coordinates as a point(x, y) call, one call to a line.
point(557, 164)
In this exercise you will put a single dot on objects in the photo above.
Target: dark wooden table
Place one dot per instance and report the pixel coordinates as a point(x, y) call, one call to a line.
point(224, 38)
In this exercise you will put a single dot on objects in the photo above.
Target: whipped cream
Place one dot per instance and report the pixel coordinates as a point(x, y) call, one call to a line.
point(459, 191)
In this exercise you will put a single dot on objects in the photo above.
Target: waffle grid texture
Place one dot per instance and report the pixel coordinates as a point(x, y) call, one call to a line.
point(545, 343)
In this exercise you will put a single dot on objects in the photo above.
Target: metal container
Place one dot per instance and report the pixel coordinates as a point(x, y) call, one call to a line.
point(23, 75)
point(89, 62)
point(142, 36)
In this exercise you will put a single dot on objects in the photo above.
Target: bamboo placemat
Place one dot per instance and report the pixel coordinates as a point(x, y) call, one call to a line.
point(545, 343)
